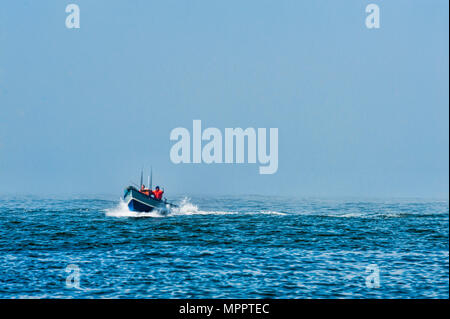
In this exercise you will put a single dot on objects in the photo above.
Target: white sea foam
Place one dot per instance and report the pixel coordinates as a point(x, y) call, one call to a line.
point(269, 212)
point(187, 208)
point(184, 208)
point(348, 215)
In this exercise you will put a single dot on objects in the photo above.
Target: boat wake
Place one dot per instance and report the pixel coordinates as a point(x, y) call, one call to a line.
point(185, 208)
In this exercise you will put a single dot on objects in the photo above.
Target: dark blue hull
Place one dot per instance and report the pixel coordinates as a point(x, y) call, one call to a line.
point(136, 206)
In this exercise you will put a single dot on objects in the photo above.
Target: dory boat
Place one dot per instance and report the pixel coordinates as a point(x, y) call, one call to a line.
point(139, 202)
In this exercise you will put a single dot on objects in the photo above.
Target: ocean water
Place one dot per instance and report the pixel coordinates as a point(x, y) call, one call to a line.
point(224, 247)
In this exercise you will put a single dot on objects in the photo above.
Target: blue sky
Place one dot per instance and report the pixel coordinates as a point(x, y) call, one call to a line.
point(360, 112)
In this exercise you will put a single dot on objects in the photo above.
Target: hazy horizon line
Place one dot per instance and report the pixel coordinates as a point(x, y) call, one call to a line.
point(328, 197)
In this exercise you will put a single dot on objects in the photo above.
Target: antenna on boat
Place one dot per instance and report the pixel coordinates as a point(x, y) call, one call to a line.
point(142, 177)
point(151, 178)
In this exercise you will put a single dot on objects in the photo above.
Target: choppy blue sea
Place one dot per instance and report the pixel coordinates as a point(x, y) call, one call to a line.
point(224, 247)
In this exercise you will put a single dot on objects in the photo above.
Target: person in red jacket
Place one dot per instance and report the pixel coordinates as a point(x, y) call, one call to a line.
point(144, 190)
point(157, 193)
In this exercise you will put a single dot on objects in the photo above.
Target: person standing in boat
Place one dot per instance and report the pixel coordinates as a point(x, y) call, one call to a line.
point(158, 193)
point(144, 190)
